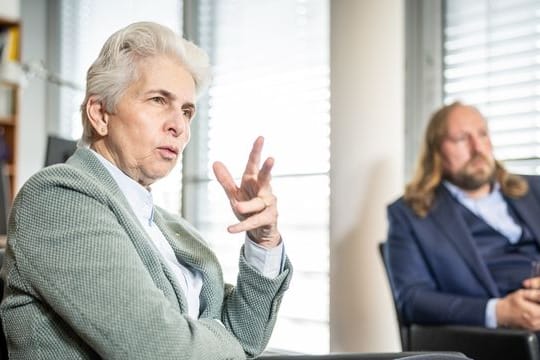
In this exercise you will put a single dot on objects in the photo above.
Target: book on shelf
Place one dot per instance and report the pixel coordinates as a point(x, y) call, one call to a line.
point(6, 101)
point(4, 148)
point(9, 43)
point(10, 67)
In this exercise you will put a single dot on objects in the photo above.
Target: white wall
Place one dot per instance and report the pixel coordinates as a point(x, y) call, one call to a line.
point(367, 65)
point(10, 9)
point(32, 122)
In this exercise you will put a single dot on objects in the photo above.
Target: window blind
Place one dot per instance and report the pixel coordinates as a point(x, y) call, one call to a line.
point(270, 63)
point(492, 60)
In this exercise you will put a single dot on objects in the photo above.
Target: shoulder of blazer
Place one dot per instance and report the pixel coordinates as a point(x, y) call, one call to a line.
point(83, 173)
point(441, 198)
point(534, 183)
point(396, 204)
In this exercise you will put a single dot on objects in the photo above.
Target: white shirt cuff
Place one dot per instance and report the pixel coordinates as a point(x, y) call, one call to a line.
point(267, 261)
point(491, 314)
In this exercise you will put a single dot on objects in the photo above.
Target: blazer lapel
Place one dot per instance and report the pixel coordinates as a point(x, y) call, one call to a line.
point(445, 213)
point(192, 252)
point(528, 209)
point(180, 296)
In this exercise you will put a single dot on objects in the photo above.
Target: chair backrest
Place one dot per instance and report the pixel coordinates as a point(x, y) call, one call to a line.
point(59, 150)
point(3, 344)
point(5, 197)
point(404, 332)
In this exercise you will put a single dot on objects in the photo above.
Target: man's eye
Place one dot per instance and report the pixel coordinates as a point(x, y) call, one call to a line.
point(188, 113)
point(458, 138)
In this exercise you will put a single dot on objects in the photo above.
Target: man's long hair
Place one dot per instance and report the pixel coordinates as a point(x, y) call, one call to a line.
point(420, 192)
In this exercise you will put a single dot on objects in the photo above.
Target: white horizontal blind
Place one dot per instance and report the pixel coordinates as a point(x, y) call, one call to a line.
point(84, 27)
point(271, 77)
point(492, 60)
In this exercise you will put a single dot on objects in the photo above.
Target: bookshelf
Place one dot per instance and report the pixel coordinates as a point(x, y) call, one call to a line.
point(10, 94)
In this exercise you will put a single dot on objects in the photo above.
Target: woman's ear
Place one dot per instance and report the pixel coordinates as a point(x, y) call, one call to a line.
point(97, 116)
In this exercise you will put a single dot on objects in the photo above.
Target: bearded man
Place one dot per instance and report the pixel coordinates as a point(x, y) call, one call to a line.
point(464, 237)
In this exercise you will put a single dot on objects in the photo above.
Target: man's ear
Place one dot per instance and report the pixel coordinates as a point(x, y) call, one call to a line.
point(97, 116)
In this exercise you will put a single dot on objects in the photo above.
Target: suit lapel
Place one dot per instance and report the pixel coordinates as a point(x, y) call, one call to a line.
point(528, 209)
point(187, 250)
point(446, 215)
point(191, 251)
point(180, 296)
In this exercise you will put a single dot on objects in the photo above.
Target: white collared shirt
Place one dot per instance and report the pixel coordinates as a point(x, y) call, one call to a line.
point(267, 261)
point(492, 208)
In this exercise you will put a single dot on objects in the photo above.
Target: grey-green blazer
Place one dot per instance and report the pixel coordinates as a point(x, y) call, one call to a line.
point(83, 282)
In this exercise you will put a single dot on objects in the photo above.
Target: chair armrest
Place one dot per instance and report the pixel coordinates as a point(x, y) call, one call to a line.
point(478, 343)
point(371, 356)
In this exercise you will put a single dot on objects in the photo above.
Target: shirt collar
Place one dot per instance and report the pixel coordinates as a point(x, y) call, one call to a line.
point(459, 194)
point(139, 198)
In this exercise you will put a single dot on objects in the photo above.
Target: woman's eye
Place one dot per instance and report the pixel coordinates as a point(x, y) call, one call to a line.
point(158, 99)
point(187, 113)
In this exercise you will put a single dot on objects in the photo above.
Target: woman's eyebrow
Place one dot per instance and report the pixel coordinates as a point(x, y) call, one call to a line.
point(188, 105)
point(162, 92)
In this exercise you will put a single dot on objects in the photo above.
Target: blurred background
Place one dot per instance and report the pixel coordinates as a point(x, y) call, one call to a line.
point(341, 90)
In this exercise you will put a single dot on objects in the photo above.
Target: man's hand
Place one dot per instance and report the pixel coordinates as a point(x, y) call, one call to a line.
point(520, 309)
point(253, 202)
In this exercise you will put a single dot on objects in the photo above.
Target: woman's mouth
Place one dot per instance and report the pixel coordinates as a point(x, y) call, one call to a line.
point(168, 152)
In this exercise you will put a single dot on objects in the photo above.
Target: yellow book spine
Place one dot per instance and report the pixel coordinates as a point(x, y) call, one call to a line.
point(13, 44)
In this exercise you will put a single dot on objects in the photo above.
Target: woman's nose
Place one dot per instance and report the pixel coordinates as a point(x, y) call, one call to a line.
point(177, 124)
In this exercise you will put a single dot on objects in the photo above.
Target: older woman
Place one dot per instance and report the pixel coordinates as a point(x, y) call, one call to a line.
point(94, 270)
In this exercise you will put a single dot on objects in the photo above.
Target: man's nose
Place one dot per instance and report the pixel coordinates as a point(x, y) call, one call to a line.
point(474, 143)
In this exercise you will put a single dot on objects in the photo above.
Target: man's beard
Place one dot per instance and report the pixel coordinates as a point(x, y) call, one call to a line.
point(472, 178)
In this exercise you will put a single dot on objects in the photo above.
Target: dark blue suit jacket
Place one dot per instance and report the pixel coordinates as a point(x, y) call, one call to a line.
point(437, 274)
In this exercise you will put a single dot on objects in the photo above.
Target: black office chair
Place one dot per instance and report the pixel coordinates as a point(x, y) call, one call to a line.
point(476, 342)
point(3, 345)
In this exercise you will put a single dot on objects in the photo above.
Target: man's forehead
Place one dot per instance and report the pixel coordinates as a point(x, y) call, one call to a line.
point(465, 117)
